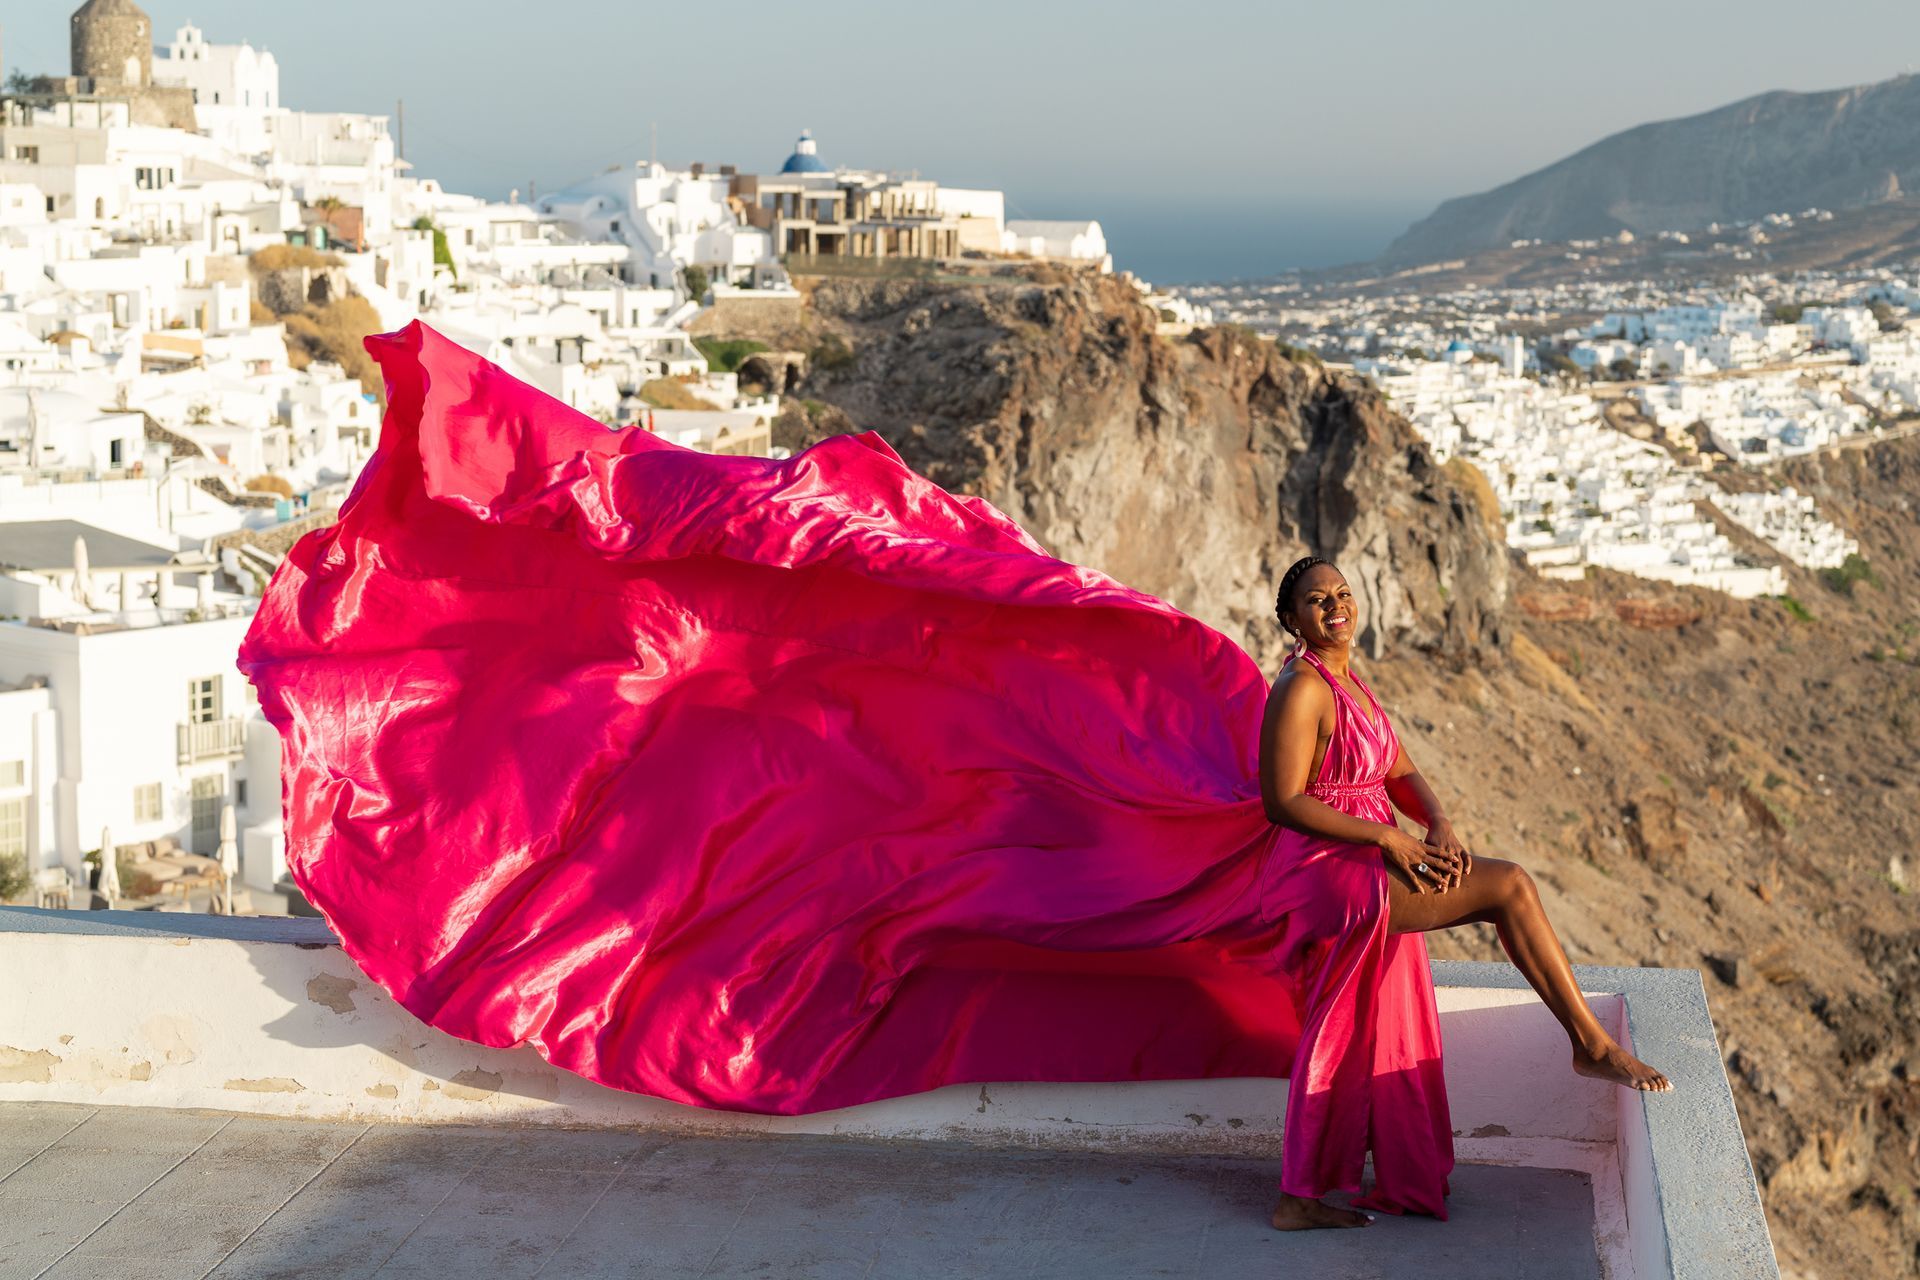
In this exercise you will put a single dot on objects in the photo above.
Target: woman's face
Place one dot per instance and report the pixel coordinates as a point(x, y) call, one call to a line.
point(1325, 614)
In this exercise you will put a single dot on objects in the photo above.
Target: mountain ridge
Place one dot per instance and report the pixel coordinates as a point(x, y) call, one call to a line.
point(1776, 152)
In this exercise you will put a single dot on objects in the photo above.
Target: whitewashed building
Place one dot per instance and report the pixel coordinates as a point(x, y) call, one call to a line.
point(142, 721)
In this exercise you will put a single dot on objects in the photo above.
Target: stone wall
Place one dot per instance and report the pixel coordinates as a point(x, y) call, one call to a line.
point(106, 36)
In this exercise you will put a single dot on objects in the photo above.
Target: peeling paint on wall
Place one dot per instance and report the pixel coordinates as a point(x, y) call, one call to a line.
point(382, 1091)
point(140, 1071)
point(267, 1084)
point(172, 1036)
point(474, 1085)
point(334, 992)
point(26, 1066)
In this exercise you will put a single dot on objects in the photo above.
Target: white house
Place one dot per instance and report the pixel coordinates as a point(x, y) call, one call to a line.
point(149, 714)
point(236, 88)
point(1070, 241)
point(669, 220)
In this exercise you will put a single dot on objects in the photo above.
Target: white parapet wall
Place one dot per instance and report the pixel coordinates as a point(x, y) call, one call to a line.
point(268, 1015)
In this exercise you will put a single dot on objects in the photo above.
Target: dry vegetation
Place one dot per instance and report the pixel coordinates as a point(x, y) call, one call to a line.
point(334, 333)
point(665, 393)
point(282, 257)
point(1728, 785)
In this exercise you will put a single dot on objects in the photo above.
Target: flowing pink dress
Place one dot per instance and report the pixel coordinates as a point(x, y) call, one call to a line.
point(781, 786)
point(1376, 1067)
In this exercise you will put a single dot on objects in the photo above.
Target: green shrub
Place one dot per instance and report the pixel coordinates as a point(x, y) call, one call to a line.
point(14, 880)
point(832, 352)
point(1795, 609)
point(133, 883)
point(725, 354)
point(1853, 569)
point(442, 253)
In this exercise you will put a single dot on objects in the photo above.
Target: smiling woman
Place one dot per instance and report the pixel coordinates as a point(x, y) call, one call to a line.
point(1350, 891)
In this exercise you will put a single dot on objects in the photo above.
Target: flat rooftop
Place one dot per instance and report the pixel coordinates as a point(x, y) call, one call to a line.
point(153, 1194)
point(47, 545)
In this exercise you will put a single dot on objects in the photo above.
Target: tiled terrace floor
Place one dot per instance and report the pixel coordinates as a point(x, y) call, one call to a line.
point(138, 1194)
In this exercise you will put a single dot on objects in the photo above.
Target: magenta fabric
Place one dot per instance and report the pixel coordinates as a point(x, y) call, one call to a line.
point(780, 786)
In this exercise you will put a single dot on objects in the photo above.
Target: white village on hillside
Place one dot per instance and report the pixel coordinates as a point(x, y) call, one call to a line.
point(1602, 439)
point(186, 267)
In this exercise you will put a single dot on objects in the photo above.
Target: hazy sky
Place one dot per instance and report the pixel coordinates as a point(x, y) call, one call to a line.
point(1211, 140)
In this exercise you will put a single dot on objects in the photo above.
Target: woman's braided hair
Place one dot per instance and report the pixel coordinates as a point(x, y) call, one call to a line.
point(1283, 601)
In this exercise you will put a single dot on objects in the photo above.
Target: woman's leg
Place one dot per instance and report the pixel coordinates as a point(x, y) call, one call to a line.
point(1502, 894)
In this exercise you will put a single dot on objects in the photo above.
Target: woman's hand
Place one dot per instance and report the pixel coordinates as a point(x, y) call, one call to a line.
point(1407, 853)
point(1440, 836)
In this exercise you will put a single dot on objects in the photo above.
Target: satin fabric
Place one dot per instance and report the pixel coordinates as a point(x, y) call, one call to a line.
point(779, 786)
point(1375, 1077)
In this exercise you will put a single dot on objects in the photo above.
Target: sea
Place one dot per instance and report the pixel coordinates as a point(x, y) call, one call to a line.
point(1211, 244)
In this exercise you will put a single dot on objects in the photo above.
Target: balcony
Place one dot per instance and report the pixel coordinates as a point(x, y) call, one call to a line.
point(275, 1098)
point(212, 739)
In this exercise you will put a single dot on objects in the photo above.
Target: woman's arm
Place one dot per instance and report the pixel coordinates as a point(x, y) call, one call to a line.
point(1410, 793)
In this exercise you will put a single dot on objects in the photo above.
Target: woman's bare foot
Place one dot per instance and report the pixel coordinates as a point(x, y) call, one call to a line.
point(1297, 1213)
point(1611, 1062)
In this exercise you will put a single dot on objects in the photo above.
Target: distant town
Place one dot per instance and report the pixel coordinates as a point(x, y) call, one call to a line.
point(1606, 414)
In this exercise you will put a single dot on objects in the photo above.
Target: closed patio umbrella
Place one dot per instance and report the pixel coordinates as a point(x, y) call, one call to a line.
point(109, 867)
point(82, 574)
point(229, 861)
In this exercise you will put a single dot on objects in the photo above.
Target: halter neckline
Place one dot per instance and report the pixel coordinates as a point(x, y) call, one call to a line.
point(1373, 721)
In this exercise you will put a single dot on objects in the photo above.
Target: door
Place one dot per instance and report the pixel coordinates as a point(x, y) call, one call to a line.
point(209, 793)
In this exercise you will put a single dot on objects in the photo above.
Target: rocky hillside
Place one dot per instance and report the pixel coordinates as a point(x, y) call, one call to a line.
point(1696, 782)
point(1195, 469)
point(1776, 153)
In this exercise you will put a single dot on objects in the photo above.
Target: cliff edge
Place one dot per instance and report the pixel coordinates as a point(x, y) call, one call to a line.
point(1196, 468)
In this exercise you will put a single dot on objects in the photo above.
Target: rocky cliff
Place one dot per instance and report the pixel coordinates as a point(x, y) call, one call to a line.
point(1775, 153)
point(1695, 782)
point(1196, 468)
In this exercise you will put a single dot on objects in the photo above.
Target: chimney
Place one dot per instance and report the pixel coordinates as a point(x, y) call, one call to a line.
point(698, 168)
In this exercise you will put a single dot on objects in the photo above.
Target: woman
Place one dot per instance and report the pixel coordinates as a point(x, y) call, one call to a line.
point(786, 785)
point(1332, 771)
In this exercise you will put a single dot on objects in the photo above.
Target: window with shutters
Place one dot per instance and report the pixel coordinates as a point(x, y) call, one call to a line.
point(13, 828)
point(203, 700)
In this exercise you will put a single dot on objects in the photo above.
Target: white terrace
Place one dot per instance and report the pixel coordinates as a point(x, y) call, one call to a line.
point(207, 1096)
